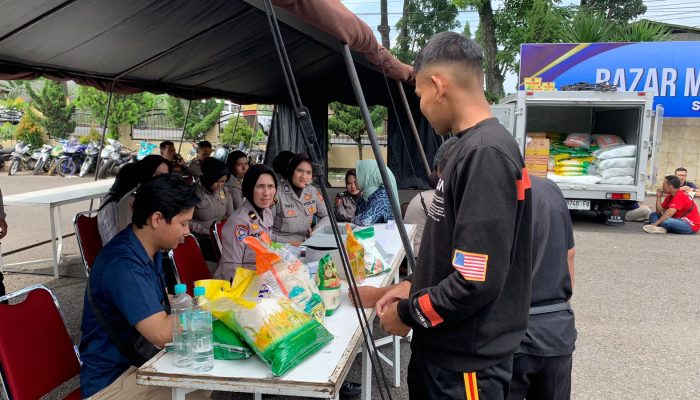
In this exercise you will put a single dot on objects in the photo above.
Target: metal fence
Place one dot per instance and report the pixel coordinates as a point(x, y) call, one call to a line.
point(155, 125)
point(345, 139)
point(84, 122)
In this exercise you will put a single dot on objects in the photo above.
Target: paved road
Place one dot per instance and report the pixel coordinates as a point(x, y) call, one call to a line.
point(635, 299)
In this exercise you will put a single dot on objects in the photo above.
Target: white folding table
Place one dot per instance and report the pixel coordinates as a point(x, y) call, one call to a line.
point(319, 376)
point(53, 199)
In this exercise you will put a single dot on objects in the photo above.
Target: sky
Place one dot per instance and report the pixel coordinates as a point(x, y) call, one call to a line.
point(678, 12)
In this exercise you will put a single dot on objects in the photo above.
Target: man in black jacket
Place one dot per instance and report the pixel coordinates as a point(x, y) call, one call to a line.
point(468, 300)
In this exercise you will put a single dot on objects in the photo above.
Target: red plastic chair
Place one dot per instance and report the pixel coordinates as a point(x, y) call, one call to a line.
point(189, 263)
point(89, 240)
point(215, 234)
point(36, 351)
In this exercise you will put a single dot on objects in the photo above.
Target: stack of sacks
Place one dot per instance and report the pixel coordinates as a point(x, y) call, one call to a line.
point(615, 162)
point(537, 154)
point(573, 156)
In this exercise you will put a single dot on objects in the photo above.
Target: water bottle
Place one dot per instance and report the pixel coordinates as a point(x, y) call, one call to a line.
point(201, 333)
point(181, 308)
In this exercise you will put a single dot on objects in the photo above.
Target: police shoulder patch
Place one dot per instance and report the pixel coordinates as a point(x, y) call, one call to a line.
point(241, 232)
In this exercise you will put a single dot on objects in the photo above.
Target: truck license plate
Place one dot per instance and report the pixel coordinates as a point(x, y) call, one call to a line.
point(578, 204)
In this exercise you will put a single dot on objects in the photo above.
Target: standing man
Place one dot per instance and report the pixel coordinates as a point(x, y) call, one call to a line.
point(542, 364)
point(167, 150)
point(3, 233)
point(204, 150)
point(468, 300)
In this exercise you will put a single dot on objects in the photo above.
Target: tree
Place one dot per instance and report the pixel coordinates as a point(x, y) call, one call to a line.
point(12, 89)
point(29, 130)
point(238, 131)
point(588, 27)
point(383, 27)
point(643, 31)
point(422, 19)
point(616, 10)
point(204, 114)
point(51, 102)
point(125, 109)
point(347, 120)
point(175, 110)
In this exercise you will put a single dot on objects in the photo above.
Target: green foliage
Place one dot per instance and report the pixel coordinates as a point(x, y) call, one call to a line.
point(421, 20)
point(348, 120)
point(175, 110)
point(616, 11)
point(51, 102)
point(125, 109)
point(29, 129)
point(12, 89)
point(589, 27)
point(242, 133)
point(204, 114)
point(7, 131)
point(643, 31)
point(92, 136)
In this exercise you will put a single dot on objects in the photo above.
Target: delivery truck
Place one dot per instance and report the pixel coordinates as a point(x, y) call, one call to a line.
point(540, 120)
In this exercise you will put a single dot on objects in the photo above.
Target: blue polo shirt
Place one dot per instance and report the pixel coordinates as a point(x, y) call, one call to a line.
point(126, 287)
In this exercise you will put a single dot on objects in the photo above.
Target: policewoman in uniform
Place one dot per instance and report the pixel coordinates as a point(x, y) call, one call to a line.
point(237, 163)
point(299, 206)
point(346, 202)
point(253, 218)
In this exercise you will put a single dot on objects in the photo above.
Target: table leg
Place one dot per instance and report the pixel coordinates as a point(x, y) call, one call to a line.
point(397, 351)
point(59, 229)
point(366, 375)
point(180, 393)
point(54, 244)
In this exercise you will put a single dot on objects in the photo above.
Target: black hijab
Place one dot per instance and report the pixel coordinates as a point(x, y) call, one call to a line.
point(212, 171)
point(251, 178)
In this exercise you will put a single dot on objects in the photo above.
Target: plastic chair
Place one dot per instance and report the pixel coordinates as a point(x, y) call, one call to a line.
point(189, 263)
point(89, 240)
point(36, 351)
point(215, 232)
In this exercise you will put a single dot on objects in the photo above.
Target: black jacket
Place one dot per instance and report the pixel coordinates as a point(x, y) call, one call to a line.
point(470, 293)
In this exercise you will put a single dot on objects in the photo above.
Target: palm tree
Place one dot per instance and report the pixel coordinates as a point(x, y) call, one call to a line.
point(643, 31)
point(589, 27)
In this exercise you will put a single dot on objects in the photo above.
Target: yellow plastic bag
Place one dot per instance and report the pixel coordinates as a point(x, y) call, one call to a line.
point(356, 255)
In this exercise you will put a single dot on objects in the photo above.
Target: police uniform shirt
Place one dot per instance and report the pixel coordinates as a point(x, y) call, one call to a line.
point(195, 167)
point(550, 334)
point(295, 214)
point(211, 207)
point(234, 252)
point(234, 185)
point(345, 207)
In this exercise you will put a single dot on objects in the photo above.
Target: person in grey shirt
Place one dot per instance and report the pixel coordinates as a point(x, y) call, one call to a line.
point(3, 233)
point(542, 363)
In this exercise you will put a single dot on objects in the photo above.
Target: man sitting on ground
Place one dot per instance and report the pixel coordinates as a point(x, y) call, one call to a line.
point(678, 213)
point(127, 290)
point(686, 186)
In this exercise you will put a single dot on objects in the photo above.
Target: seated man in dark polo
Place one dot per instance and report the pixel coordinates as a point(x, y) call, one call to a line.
point(677, 213)
point(686, 186)
point(127, 289)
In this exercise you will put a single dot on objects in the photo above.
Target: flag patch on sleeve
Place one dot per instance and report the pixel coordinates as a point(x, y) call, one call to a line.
point(472, 266)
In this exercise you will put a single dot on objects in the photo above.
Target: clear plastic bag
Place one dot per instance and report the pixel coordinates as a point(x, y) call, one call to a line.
point(374, 264)
point(329, 284)
point(578, 140)
point(608, 141)
point(356, 255)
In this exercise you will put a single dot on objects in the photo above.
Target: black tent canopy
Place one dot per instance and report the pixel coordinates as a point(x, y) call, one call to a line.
point(195, 49)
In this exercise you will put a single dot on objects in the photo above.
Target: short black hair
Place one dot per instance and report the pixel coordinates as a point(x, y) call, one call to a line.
point(204, 144)
point(450, 47)
point(443, 154)
point(168, 194)
point(674, 181)
point(165, 144)
point(681, 169)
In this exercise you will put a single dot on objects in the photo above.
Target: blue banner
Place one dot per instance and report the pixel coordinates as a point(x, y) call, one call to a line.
point(670, 70)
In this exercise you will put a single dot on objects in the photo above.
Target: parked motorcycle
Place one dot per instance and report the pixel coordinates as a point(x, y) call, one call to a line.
point(55, 156)
point(72, 158)
point(20, 158)
point(5, 154)
point(93, 149)
point(114, 156)
point(44, 161)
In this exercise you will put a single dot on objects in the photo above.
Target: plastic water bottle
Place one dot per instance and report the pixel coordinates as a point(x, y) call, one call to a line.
point(201, 333)
point(181, 308)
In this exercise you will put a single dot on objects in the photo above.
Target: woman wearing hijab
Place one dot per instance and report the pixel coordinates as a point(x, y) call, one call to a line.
point(346, 202)
point(299, 206)
point(114, 213)
point(375, 207)
point(253, 218)
point(216, 203)
point(237, 163)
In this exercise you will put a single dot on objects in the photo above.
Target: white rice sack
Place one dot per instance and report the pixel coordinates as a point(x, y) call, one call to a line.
point(616, 152)
point(613, 172)
point(579, 180)
point(618, 180)
point(622, 162)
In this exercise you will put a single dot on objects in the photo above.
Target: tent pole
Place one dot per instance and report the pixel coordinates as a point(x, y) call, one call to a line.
point(235, 126)
point(184, 128)
point(412, 122)
point(395, 206)
point(102, 138)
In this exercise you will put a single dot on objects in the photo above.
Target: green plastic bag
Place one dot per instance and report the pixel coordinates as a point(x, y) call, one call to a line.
point(227, 345)
point(279, 333)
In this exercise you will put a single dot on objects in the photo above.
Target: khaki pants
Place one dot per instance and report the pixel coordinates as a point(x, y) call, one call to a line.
point(125, 387)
